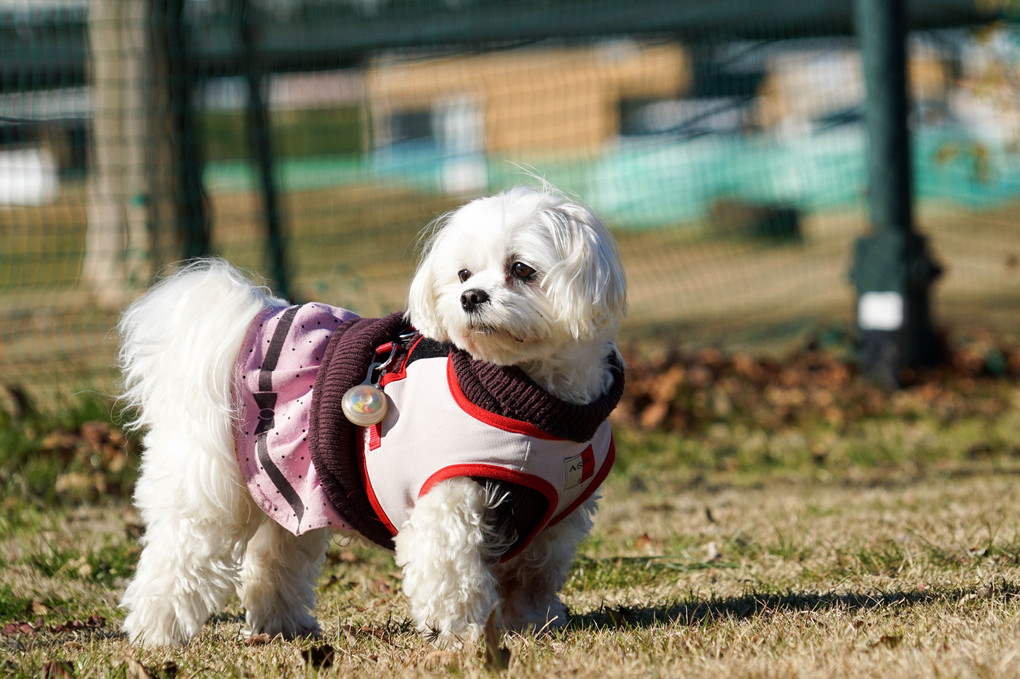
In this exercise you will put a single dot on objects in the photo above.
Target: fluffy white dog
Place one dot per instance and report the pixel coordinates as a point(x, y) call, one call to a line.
point(482, 438)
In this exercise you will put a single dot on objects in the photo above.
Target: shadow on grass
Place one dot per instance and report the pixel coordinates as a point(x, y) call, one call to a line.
point(755, 604)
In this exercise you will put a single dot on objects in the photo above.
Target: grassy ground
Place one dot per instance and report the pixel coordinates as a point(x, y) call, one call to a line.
point(886, 544)
point(756, 525)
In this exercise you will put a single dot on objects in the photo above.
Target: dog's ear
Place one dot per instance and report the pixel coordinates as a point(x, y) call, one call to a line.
point(422, 298)
point(588, 287)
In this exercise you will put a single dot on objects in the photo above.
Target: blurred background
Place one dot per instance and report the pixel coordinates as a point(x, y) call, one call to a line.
point(310, 141)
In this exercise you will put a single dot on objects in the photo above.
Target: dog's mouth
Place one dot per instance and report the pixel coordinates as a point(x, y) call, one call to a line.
point(490, 330)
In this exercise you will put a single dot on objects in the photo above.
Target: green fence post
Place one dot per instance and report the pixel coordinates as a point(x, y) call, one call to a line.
point(172, 47)
point(892, 270)
point(260, 146)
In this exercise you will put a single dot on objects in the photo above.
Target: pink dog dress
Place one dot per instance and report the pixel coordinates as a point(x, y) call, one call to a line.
point(448, 416)
point(274, 388)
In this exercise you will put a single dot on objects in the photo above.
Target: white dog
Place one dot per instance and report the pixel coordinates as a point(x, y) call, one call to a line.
point(482, 437)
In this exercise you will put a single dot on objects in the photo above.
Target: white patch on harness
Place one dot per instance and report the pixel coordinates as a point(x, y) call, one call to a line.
point(578, 468)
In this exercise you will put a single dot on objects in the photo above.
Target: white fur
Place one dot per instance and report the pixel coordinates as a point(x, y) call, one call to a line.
point(206, 538)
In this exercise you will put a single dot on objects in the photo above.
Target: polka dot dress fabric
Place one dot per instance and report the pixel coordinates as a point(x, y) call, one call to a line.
point(276, 375)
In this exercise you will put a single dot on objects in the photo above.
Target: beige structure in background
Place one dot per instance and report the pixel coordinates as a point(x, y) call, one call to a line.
point(560, 99)
point(802, 85)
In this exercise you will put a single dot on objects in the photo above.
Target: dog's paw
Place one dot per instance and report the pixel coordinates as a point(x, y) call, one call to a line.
point(534, 618)
point(158, 625)
point(293, 625)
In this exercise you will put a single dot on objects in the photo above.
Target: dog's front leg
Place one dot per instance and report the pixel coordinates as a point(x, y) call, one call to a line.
point(444, 549)
point(531, 581)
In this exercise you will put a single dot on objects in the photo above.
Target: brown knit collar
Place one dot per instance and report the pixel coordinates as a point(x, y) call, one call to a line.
point(508, 391)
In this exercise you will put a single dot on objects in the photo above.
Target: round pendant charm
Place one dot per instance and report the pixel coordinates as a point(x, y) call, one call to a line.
point(364, 405)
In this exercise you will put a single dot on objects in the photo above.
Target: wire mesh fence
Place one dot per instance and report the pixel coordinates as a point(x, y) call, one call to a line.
point(312, 141)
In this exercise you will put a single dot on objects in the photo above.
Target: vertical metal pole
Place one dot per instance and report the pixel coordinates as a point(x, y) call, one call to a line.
point(892, 269)
point(260, 147)
point(188, 161)
point(882, 30)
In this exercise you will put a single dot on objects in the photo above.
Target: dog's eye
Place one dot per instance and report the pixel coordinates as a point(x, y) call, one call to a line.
point(522, 270)
point(463, 275)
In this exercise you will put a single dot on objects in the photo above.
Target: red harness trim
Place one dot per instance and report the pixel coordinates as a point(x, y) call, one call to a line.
point(593, 485)
point(492, 419)
point(401, 371)
point(366, 482)
point(501, 474)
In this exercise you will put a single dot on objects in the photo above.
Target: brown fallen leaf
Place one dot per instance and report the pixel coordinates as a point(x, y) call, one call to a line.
point(59, 441)
point(57, 669)
point(318, 657)
point(497, 657)
point(22, 627)
point(92, 622)
point(643, 542)
point(136, 670)
point(257, 640)
point(94, 434)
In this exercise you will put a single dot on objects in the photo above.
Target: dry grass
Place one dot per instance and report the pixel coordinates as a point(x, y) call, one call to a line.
point(884, 572)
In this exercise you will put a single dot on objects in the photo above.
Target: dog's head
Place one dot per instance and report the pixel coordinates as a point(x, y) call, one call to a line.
point(515, 276)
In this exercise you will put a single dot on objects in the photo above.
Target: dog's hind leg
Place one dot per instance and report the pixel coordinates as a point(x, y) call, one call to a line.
point(179, 347)
point(278, 579)
point(192, 546)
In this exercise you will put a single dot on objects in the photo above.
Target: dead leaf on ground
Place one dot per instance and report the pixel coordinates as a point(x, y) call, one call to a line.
point(136, 670)
point(59, 441)
point(691, 391)
point(57, 669)
point(133, 531)
point(92, 622)
point(22, 627)
point(318, 657)
point(497, 656)
point(257, 640)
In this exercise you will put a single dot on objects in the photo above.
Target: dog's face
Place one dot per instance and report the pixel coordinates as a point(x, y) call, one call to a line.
point(512, 277)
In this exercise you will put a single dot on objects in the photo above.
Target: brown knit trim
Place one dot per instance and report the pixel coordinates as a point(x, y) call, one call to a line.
point(331, 436)
point(507, 391)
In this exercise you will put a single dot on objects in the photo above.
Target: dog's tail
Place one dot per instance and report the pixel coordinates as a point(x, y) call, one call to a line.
point(180, 340)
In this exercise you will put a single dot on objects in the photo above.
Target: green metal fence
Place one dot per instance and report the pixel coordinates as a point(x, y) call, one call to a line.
point(310, 141)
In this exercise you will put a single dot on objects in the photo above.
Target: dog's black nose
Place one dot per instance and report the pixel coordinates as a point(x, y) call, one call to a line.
point(471, 299)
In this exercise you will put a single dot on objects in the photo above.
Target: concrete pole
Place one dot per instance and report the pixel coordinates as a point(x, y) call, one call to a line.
point(117, 247)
